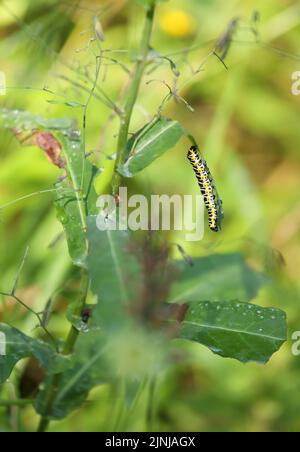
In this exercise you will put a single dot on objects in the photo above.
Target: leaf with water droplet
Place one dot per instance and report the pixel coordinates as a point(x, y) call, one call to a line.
point(76, 197)
point(235, 329)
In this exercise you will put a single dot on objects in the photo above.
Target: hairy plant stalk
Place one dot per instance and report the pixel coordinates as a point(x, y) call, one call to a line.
point(67, 350)
point(132, 94)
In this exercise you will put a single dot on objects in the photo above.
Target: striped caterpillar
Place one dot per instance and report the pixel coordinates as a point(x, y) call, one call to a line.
point(208, 189)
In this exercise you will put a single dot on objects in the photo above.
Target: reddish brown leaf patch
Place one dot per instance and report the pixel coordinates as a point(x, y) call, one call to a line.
point(51, 146)
point(45, 141)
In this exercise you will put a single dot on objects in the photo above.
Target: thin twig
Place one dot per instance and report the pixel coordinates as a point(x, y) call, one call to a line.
point(31, 195)
point(29, 309)
point(98, 68)
point(16, 281)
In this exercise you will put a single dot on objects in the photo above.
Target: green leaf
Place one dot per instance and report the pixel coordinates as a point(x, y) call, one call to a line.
point(72, 203)
point(114, 272)
point(216, 277)
point(23, 121)
point(87, 369)
point(151, 142)
point(17, 346)
point(242, 331)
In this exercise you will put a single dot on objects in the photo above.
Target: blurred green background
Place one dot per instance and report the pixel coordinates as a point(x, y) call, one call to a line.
point(246, 121)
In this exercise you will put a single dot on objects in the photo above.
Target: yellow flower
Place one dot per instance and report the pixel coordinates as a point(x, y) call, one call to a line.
point(177, 23)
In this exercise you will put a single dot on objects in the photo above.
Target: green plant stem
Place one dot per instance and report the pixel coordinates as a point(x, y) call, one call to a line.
point(67, 350)
point(132, 94)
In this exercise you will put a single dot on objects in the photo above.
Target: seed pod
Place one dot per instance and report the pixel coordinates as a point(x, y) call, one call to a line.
point(98, 29)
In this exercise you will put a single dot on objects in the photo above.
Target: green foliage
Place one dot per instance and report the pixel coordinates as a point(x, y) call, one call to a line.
point(76, 197)
point(130, 334)
point(20, 346)
point(242, 331)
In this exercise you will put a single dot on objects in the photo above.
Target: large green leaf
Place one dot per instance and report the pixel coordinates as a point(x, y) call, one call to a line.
point(242, 331)
point(216, 277)
point(152, 141)
point(16, 346)
point(87, 369)
point(76, 197)
point(114, 272)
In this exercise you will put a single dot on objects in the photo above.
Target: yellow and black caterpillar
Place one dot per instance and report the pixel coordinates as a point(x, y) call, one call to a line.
point(208, 189)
